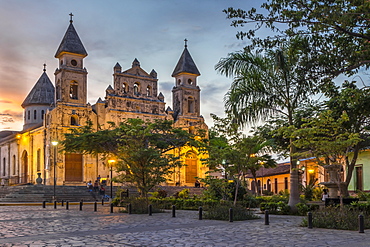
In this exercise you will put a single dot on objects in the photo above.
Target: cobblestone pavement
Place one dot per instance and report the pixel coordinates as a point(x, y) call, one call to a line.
point(36, 226)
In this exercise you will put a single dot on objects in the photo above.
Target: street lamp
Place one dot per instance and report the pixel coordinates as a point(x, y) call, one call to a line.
point(55, 143)
point(111, 177)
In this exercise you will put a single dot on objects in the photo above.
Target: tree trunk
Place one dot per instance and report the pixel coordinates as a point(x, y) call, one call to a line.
point(294, 180)
point(350, 168)
point(236, 191)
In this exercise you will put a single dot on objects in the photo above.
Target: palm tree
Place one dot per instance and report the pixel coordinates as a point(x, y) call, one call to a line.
point(267, 85)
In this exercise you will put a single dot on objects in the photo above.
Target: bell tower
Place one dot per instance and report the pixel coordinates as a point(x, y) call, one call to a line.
point(71, 76)
point(186, 93)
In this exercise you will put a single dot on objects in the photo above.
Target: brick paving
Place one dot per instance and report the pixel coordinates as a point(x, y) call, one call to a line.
point(36, 226)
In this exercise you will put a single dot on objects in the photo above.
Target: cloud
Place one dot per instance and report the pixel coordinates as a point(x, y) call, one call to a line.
point(5, 102)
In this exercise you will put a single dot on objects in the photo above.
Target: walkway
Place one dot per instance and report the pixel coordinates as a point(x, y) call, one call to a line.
point(37, 226)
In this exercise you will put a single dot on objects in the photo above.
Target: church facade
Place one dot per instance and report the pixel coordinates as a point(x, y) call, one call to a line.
point(50, 111)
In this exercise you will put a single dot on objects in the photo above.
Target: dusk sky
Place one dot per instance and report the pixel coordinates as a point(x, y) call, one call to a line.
point(114, 31)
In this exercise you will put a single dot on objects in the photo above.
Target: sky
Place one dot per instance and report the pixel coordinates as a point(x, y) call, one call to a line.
point(153, 31)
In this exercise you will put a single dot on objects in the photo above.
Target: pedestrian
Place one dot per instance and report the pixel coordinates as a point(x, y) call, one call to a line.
point(98, 178)
point(89, 186)
point(96, 186)
point(102, 192)
point(197, 184)
point(324, 195)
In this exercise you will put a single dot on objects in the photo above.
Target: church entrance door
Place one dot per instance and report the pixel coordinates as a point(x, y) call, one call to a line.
point(190, 168)
point(73, 170)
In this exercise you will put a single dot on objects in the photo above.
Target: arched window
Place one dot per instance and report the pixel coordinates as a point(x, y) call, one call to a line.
point(42, 114)
point(178, 81)
point(57, 90)
point(29, 115)
point(73, 90)
point(124, 88)
point(190, 82)
point(148, 91)
point(136, 88)
point(190, 105)
point(34, 114)
point(74, 120)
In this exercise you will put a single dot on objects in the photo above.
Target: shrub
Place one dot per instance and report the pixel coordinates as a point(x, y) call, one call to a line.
point(184, 193)
point(275, 207)
point(303, 208)
point(345, 218)
point(221, 212)
point(139, 206)
point(159, 194)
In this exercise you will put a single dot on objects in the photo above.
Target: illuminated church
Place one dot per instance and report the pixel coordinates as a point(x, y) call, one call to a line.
point(50, 111)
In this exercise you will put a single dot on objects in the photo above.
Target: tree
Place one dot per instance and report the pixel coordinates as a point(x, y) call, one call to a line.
point(142, 148)
point(336, 32)
point(265, 86)
point(235, 152)
point(355, 102)
point(325, 138)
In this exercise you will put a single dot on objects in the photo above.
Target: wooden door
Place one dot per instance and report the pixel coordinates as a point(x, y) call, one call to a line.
point(191, 170)
point(73, 168)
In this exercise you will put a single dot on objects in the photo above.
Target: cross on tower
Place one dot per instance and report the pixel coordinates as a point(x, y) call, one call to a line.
point(186, 43)
point(71, 17)
point(44, 67)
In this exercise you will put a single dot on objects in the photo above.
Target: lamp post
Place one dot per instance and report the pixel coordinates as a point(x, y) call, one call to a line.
point(55, 143)
point(111, 177)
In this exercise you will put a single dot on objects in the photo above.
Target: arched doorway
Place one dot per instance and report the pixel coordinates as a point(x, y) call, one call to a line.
point(24, 169)
point(191, 167)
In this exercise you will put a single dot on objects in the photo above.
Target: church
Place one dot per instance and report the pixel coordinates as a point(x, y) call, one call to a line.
point(51, 110)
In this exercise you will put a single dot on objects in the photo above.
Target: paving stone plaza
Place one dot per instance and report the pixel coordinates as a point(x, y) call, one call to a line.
point(37, 226)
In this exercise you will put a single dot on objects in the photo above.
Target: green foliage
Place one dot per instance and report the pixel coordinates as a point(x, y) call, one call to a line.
point(159, 194)
point(222, 189)
point(275, 207)
point(141, 148)
point(304, 208)
point(140, 206)
point(221, 212)
point(308, 190)
point(236, 154)
point(182, 204)
point(184, 194)
point(335, 33)
point(363, 196)
point(345, 218)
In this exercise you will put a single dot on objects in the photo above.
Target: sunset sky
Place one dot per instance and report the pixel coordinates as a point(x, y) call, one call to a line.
point(114, 31)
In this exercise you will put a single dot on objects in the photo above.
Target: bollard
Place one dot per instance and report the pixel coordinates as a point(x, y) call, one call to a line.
point(129, 209)
point(67, 205)
point(309, 220)
point(44, 204)
point(173, 211)
point(111, 208)
point(102, 202)
point(81, 204)
point(200, 213)
point(267, 222)
point(231, 215)
point(95, 206)
point(62, 203)
point(150, 209)
point(55, 204)
point(361, 224)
